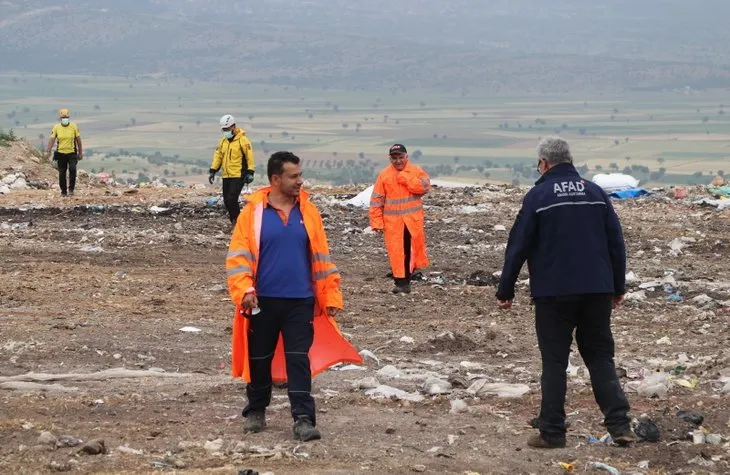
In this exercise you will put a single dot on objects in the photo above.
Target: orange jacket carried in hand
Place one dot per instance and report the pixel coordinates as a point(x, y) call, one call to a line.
point(329, 346)
point(397, 203)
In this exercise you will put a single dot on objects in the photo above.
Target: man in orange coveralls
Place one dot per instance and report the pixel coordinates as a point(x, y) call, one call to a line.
point(396, 208)
point(287, 292)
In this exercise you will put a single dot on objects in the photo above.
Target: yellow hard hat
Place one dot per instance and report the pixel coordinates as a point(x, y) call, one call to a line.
point(63, 113)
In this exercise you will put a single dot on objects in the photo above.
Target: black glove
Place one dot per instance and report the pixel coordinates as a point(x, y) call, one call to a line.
point(211, 176)
point(247, 176)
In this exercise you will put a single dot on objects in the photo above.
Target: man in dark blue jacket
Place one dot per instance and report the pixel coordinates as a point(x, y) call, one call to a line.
point(571, 238)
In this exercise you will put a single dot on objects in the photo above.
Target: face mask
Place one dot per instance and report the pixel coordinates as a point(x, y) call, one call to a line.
point(228, 134)
point(65, 121)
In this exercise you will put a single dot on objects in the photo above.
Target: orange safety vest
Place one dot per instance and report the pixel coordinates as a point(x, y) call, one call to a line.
point(396, 203)
point(329, 346)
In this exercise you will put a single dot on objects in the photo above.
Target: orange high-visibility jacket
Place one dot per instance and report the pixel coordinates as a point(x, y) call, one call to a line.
point(397, 203)
point(329, 346)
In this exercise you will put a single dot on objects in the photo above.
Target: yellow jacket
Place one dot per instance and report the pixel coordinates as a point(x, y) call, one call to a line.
point(229, 155)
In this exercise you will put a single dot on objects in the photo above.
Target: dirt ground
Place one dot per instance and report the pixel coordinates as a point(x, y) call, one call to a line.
point(103, 281)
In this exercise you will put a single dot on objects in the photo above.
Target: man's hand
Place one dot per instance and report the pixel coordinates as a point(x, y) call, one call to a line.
point(618, 300)
point(250, 301)
point(402, 180)
point(504, 304)
point(48, 155)
point(211, 178)
point(333, 311)
point(80, 157)
point(248, 177)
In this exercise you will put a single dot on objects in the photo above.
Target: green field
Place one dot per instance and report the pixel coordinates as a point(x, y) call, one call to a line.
point(344, 135)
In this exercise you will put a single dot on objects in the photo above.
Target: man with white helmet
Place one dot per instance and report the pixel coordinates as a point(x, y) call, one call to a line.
point(234, 155)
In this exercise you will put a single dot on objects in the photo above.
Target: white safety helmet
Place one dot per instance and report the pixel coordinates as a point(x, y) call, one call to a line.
point(227, 121)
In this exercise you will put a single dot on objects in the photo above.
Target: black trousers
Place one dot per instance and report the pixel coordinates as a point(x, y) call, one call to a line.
point(66, 162)
point(293, 319)
point(407, 263)
point(231, 191)
point(590, 316)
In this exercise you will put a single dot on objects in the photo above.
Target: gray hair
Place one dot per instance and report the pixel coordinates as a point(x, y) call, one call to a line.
point(555, 150)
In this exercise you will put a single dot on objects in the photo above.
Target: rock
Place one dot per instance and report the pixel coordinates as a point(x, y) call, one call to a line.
point(458, 406)
point(184, 445)
point(116, 356)
point(213, 445)
point(638, 296)
point(499, 227)
point(218, 288)
point(407, 339)
point(482, 388)
point(390, 431)
point(631, 278)
point(366, 383)
point(369, 355)
point(68, 441)
point(59, 466)
point(713, 439)
point(390, 371)
point(434, 386)
point(94, 447)
point(28, 426)
point(698, 437)
point(702, 299)
point(388, 392)
point(128, 450)
point(469, 365)
point(419, 468)
point(46, 438)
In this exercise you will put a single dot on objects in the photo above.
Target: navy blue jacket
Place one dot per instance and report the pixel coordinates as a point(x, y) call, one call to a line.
point(570, 235)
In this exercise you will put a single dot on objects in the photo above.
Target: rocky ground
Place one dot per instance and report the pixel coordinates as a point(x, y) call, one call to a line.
point(97, 375)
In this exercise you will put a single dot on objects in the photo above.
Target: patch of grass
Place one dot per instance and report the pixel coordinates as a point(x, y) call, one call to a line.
point(7, 137)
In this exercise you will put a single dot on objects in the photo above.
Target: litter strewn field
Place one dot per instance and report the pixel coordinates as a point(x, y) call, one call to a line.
point(116, 325)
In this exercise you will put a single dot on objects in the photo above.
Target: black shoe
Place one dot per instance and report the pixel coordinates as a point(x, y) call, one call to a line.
point(539, 442)
point(402, 289)
point(304, 430)
point(255, 422)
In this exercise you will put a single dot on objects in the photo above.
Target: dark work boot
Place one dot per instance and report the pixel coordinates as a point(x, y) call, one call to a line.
point(255, 422)
point(304, 430)
point(539, 442)
point(402, 286)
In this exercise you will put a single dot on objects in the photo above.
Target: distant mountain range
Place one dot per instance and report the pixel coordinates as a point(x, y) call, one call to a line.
point(506, 46)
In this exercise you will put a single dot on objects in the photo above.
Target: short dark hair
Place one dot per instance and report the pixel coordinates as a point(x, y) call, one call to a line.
point(277, 161)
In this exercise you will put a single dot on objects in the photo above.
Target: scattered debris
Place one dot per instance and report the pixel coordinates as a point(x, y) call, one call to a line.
point(388, 392)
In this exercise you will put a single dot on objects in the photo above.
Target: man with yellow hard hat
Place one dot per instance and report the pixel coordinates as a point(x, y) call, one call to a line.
point(68, 151)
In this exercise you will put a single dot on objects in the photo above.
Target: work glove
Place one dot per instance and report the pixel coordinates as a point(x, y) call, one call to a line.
point(211, 176)
point(247, 177)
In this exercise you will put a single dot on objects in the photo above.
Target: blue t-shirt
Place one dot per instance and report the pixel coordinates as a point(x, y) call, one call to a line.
point(285, 265)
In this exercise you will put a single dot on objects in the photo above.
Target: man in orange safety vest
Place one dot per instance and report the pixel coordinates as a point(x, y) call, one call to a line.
point(396, 209)
point(287, 292)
